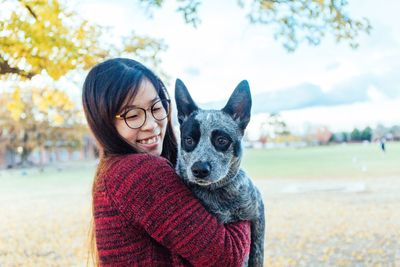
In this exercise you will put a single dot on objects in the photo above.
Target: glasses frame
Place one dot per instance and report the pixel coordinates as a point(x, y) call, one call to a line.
point(122, 116)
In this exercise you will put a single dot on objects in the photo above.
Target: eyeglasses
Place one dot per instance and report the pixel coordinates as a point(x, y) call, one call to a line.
point(136, 117)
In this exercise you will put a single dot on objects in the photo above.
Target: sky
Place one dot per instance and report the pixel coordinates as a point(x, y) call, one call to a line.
point(331, 84)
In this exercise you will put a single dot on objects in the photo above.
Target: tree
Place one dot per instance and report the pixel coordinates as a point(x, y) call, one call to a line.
point(39, 118)
point(346, 136)
point(323, 135)
point(41, 36)
point(380, 132)
point(44, 37)
point(264, 133)
point(355, 135)
point(395, 132)
point(294, 22)
point(272, 128)
point(340, 137)
point(366, 134)
point(277, 124)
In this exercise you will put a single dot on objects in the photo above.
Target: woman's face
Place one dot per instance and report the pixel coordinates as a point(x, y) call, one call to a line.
point(150, 136)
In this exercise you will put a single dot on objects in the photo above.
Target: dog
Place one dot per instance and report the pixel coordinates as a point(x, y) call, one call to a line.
point(209, 157)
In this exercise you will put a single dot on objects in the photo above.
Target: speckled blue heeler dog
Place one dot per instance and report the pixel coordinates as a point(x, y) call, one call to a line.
point(209, 162)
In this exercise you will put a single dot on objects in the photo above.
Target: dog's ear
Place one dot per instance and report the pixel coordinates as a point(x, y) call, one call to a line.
point(184, 102)
point(239, 104)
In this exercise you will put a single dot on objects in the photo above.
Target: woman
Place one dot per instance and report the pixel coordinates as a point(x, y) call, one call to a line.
point(143, 214)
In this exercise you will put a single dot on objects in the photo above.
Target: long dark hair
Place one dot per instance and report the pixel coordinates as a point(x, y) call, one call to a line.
point(107, 87)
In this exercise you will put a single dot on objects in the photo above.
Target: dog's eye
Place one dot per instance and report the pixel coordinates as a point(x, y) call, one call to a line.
point(222, 141)
point(189, 141)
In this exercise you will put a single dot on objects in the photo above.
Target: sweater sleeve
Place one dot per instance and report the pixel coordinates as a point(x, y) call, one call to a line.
point(148, 192)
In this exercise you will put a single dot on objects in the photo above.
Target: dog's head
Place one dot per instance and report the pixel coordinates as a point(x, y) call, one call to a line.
point(210, 145)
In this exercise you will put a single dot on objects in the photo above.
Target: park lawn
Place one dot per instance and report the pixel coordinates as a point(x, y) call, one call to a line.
point(56, 179)
point(46, 215)
point(334, 161)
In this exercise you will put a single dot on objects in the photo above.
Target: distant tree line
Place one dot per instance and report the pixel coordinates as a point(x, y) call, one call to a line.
point(367, 134)
point(274, 132)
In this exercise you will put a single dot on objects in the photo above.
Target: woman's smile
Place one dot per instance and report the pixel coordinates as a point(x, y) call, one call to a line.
point(149, 140)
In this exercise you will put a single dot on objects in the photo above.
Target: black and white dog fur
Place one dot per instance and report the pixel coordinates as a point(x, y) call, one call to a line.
point(209, 162)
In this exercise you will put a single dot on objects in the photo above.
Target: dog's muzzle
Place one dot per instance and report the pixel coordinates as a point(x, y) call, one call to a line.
point(201, 169)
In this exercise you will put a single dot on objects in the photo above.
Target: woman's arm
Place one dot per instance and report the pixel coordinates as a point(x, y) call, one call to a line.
point(147, 191)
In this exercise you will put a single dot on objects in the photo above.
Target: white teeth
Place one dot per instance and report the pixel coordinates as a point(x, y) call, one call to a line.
point(149, 141)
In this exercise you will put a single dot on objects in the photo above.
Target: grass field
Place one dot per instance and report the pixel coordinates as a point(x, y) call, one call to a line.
point(325, 206)
point(345, 161)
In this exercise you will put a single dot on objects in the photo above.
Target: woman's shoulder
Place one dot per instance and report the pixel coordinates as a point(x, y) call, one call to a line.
point(120, 168)
point(126, 164)
point(134, 177)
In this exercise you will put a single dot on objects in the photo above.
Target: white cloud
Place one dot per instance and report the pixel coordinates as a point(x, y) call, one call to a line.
point(375, 95)
point(225, 49)
point(346, 117)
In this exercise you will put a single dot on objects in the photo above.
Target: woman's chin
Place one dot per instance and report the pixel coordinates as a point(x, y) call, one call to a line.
point(152, 149)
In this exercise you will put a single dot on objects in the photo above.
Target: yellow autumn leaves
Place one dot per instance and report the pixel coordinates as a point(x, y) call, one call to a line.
point(44, 36)
point(45, 39)
point(334, 229)
point(50, 103)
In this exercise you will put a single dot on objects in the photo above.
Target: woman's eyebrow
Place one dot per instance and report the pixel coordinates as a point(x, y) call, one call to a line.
point(149, 103)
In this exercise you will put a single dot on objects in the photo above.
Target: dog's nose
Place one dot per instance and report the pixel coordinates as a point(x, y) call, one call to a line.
point(201, 169)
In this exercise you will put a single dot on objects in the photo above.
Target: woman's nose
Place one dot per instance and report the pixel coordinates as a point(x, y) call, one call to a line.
point(150, 122)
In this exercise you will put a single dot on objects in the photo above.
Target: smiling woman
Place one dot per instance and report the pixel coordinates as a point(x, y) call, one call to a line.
point(143, 214)
point(141, 130)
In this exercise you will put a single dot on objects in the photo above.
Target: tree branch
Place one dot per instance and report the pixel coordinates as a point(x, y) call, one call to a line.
point(5, 68)
point(30, 10)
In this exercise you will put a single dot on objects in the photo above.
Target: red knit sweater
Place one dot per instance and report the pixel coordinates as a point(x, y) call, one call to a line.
point(145, 216)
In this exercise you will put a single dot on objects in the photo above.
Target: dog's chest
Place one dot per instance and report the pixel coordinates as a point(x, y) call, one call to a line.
point(227, 203)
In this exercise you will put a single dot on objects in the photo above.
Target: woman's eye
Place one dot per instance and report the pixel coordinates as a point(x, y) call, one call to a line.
point(133, 117)
point(133, 114)
point(158, 105)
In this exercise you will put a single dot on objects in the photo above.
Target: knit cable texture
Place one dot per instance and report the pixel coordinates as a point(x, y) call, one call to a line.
point(145, 216)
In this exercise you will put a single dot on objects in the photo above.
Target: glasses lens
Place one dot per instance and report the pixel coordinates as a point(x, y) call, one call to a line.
point(135, 118)
point(160, 109)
